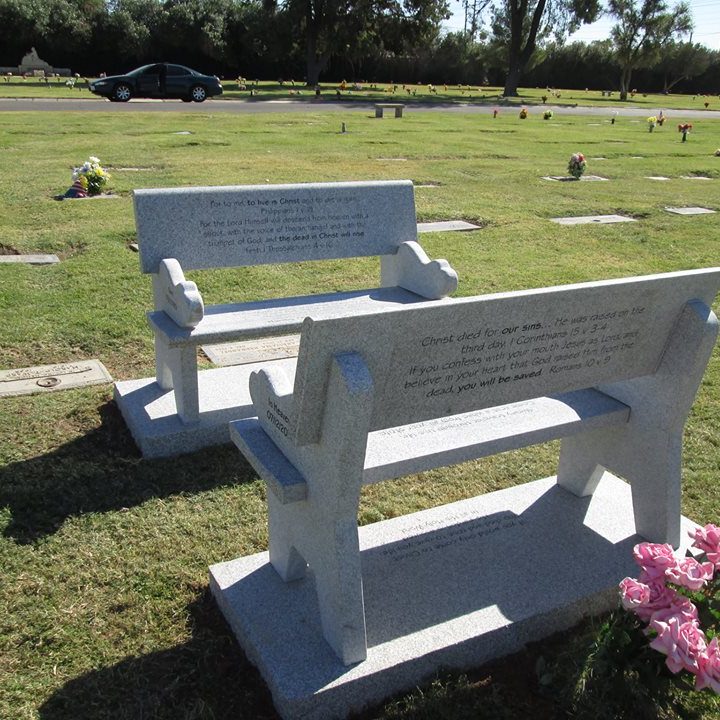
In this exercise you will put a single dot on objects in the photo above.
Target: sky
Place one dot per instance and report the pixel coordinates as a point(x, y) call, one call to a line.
point(706, 18)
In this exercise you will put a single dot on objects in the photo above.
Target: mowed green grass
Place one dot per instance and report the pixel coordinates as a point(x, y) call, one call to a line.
point(104, 607)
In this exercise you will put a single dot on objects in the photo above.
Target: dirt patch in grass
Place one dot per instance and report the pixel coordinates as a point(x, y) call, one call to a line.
point(8, 250)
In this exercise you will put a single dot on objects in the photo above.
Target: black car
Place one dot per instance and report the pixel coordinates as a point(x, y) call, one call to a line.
point(160, 80)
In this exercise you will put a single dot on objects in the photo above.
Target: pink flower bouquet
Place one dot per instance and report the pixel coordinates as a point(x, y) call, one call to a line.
point(675, 598)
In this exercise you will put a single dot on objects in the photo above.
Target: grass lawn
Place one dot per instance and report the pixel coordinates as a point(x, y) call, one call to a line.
point(104, 556)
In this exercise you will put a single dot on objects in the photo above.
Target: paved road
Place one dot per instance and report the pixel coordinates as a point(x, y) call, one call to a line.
point(269, 106)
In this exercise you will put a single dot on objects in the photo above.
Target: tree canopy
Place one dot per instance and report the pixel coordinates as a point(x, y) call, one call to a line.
point(643, 27)
point(519, 25)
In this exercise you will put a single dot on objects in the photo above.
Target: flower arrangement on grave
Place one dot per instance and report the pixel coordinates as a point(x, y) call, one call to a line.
point(652, 122)
point(674, 599)
point(576, 165)
point(547, 115)
point(664, 636)
point(523, 114)
point(93, 174)
point(684, 128)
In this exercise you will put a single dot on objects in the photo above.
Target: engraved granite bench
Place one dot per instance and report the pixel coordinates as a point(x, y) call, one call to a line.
point(219, 227)
point(397, 107)
point(610, 367)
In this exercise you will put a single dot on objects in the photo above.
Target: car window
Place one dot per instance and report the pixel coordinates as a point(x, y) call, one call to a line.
point(152, 70)
point(177, 70)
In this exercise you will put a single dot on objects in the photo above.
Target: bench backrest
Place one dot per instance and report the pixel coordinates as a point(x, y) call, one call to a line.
point(437, 359)
point(212, 227)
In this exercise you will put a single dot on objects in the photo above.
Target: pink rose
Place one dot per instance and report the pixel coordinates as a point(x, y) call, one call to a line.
point(690, 573)
point(679, 607)
point(661, 597)
point(707, 539)
point(683, 643)
point(633, 594)
point(708, 674)
point(654, 558)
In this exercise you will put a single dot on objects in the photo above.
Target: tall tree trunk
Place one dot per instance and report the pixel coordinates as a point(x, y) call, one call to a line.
point(625, 77)
point(518, 54)
point(314, 62)
point(513, 79)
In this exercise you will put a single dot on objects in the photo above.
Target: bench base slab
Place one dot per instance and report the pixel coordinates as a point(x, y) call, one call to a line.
point(450, 587)
point(151, 414)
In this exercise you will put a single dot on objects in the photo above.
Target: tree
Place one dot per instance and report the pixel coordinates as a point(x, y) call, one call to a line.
point(682, 61)
point(474, 10)
point(520, 24)
point(348, 27)
point(643, 28)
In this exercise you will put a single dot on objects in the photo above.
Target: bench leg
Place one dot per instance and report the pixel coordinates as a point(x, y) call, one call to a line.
point(176, 368)
point(338, 582)
point(648, 458)
point(398, 112)
point(333, 552)
point(163, 362)
point(284, 556)
point(656, 489)
point(378, 112)
point(579, 469)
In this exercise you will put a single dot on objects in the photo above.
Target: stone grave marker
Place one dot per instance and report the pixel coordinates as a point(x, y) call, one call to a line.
point(446, 226)
point(695, 177)
point(48, 378)
point(567, 178)
point(689, 210)
point(589, 219)
point(253, 351)
point(30, 259)
point(657, 177)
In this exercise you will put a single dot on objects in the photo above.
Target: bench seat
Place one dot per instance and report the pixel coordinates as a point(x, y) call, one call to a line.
point(445, 441)
point(243, 321)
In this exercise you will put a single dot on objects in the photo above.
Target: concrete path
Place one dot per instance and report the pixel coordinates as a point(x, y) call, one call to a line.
point(284, 106)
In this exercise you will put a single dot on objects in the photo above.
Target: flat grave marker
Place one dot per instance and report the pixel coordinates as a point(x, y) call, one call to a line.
point(446, 226)
point(253, 351)
point(30, 259)
point(567, 178)
point(589, 219)
point(689, 210)
point(695, 177)
point(657, 177)
point(49, 378)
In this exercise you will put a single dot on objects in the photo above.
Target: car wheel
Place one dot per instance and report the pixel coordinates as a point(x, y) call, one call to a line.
point(198, 93)
point(122, 92)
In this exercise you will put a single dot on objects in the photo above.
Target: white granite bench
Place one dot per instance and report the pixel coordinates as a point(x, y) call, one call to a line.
point(381, 107)
point(220, 227)
point(610, 367)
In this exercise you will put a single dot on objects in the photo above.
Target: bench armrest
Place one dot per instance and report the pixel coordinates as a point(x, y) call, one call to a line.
point(412, 269)
point(271, 391)
point(179, 298)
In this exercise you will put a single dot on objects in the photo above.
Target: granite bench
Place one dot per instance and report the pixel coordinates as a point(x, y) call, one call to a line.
point(220, 227)
point(611, 368)
point(381, 107)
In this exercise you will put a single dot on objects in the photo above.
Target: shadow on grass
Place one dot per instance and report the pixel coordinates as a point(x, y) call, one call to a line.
point(101, 471)
point(206, 677)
